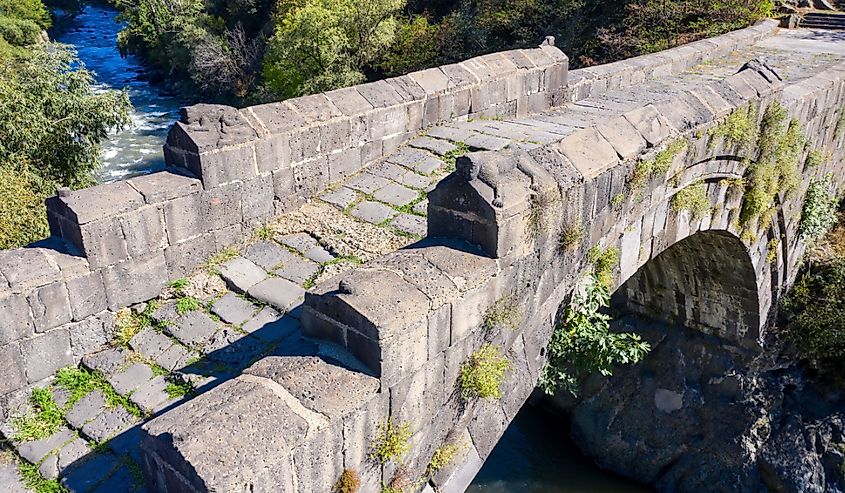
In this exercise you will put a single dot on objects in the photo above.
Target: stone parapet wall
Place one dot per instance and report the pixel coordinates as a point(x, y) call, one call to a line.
point(590, 81)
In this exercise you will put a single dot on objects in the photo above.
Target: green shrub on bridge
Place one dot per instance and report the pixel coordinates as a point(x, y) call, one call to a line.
point(819, 213)
point(483, 373)
point(583, 343)
point(391, 442)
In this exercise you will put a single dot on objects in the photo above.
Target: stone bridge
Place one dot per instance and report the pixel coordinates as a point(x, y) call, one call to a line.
point(692, 163)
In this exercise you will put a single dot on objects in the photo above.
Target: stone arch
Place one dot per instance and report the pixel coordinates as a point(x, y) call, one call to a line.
point(706, 281)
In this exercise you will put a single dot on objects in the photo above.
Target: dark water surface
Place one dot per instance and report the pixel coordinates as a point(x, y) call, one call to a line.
point(536, 455)
point(137, 150)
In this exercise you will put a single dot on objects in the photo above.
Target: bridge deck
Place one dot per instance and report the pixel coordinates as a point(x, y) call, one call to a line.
point(372, 213)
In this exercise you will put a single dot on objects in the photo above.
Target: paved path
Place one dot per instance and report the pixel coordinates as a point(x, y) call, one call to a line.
point(243, 306)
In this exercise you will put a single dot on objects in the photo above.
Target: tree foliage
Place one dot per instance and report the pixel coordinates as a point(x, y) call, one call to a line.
point(319, 45)
point(583, 343)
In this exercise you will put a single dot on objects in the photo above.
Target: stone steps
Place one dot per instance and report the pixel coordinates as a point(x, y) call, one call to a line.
point(823, 20)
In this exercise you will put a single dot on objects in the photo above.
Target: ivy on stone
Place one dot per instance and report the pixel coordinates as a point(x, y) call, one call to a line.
point(583, 343)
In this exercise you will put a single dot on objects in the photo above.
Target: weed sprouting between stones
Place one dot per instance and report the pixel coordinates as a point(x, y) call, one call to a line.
point(483, 373)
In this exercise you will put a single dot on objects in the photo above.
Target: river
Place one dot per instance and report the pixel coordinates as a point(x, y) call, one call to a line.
point(138, 149)
point(535, 455)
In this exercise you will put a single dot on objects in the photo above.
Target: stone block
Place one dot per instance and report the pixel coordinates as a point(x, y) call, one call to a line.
point(193, 328)
point(16, 321)
point(310, 177)
point(304, 144)
point(37, 450)
point(341, 198)
point(652, 126)
point(143, 230)
point(407, 88)
point(87, 295)
point(109, 423)
point(589, 152)
point(103, 242)
point(86, 409)
point(277, 118)
point(165, 185)
point(278, 292)
point(182, 258)
point(349, 101)
point(372, 212)
point(367, 183)
point(335, 135)
point(128, 380)
point(257, 201)
point(50, 306)
point(27, 268)
point(107, 361)
point(150, 343)
point(269, 327)
point(241, 274)
point(12, 368)
point(91, 334)
point(136, 280)
point(396, 195)
point(85, 475)
point(151, 394)
point(260, 443)
point(272, 152)
point(410, 223)
point(624, 137)
point(386, 122)
point(345, 163)
point(221, 207)
point(182, 217)
point(45, 354)
point(102, 201)
point(233, 309)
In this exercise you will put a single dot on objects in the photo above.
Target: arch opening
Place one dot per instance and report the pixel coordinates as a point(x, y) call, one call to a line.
point(705, 282)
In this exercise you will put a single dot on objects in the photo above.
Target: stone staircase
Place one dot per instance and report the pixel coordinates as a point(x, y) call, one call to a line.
point(824, 20)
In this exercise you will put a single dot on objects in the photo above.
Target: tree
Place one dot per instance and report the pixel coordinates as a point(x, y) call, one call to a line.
point(51, 124)
point(319, 45)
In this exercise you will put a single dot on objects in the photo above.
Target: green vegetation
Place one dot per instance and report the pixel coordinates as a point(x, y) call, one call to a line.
point(79, 382)
point(128, 323)
point(692, 199)
point(33, 480)
point(219, 259)
point(52, 121)
point(391, 442)
point(348, 482)
point(819, 213)
point(647, 169)
point(187, 304)
point(483, 373)
point(260, 50)
point(43, 420)
point(571, 236)
point(739, 129)
point(839, 130)
point(815, 158)
point(772, 250)
point(176, 387)
point(814, 311)
point(775, 171)
point(603, 262)
point(583, 344)
point(451, 157)
point(505, 313)
point(443, 457)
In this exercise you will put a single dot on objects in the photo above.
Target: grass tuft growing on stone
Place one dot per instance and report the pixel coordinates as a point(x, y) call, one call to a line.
point(391, 443)
point(348, 482)
point(571, 236)
point(503, 314)
point(815, 158)
point(772, 250)
point(220, 258)
point(187, 304)
point(43, 420)
point(647, 169)
point(264, 232)
point(483, 373)
point(79, 382)
point(443, 457)
point(451, 157)
point(738, 129)
point(129, 323)
point(176, 387)
point(32, 479)
point(692, 199)
point(603, 262)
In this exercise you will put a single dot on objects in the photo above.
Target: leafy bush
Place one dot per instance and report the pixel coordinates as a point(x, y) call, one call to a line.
point(819, 213)
point(814, 310)
point(23, 217)
point(26, 10)
point(19, 32)
point(483, 373)
point(583, 343)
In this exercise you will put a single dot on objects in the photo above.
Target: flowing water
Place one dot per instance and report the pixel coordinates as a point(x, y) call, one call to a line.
point(138, 149)
point(535, 455)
